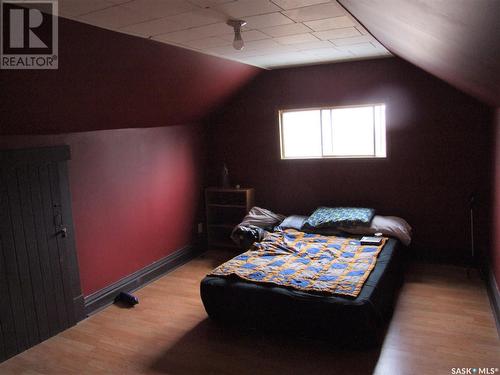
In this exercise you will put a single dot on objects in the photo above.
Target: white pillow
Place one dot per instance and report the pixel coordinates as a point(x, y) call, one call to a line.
point(392, 226)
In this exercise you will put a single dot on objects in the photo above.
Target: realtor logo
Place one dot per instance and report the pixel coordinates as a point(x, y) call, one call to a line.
point(28, 34)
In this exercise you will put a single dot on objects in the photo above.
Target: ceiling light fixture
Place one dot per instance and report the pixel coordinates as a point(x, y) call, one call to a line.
point(238, 40)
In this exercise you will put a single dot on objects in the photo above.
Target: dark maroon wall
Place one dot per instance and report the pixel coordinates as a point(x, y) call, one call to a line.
point(135, 191)
point(108, 80)
point(495, 256)
point(134, 195)
point(438, 149)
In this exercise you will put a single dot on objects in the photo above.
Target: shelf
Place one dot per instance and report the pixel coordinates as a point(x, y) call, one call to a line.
point(225, 207)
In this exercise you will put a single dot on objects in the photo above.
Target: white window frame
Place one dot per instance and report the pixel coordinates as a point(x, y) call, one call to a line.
point(382, 134)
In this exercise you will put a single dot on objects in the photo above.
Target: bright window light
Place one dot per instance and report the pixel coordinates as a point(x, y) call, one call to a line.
point(344, 132)
point(302, 134)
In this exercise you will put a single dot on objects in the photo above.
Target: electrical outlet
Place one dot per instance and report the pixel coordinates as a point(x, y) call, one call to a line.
point(200, 228)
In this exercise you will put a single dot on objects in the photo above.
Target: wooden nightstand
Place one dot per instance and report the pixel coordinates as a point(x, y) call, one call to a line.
point(225, 208)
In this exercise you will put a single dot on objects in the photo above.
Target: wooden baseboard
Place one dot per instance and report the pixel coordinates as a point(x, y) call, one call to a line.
point(494, 294)
point(104, 297)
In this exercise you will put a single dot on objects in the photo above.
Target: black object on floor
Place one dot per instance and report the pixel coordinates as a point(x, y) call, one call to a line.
point(126, 299)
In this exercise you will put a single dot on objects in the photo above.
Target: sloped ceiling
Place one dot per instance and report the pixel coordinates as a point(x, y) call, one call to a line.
point(456, 40)
point(109, 80)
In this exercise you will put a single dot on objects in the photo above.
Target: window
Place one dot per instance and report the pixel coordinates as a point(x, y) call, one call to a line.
point(337, 132)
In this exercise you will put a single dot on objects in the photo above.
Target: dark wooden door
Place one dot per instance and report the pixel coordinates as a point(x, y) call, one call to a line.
point(40, 292)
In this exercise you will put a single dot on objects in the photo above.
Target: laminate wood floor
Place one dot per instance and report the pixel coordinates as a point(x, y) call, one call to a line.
point(442, 321)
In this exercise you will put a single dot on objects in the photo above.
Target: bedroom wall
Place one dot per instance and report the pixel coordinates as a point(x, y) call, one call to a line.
point(438, 150)
point(135, 191)
point(495, 255)
point(134, 195)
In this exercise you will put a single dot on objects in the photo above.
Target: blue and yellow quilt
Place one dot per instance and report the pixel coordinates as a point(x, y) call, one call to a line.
point(309, 262)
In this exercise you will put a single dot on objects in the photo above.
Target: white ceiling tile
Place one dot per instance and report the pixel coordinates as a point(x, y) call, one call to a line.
point(276, 60)
point(196, 18)
point(328, 59)
point(160, 8)
point(299, 38)
point(79, 7)
point(291, 4)
point(227, 51)
point(207, 43)
point(246, 54)
point(352, 40)
point(331, 23)
point(277, 57)
point(252, 49)
point(360, 48)
point(234, 54)
point(312, 45)
point(178, 36)
point(284, 30)
point(209, 3)
point(245, 8)
point(247, 36)
point(327, 52)
point(114, 17)
point(264, 43)
point(150, 28)
point(267, 20)
point(316, 12)
point(196, 33)
point(337, 33)
point(215, 29)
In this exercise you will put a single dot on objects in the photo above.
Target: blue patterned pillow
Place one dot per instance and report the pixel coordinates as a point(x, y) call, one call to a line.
point(327, 217)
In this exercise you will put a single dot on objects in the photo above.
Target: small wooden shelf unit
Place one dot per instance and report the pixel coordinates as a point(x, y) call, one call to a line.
point(225, 208)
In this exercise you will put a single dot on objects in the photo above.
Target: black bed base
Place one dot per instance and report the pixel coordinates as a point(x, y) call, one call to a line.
point(349, 321)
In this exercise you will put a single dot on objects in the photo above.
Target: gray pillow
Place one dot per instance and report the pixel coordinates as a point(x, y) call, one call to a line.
point(292, 222)
point(392, 226)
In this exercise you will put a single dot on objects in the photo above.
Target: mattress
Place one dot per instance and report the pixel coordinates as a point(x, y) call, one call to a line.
point(248, 305)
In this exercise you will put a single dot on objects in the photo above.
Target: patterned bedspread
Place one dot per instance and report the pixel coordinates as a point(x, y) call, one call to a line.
point(309, 262)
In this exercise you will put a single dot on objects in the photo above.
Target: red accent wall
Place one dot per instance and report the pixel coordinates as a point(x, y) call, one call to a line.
point(495, 256)
point(135, 191)
point(438, 150)
point(134, 195)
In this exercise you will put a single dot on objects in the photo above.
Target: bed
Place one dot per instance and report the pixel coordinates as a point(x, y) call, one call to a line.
point(359, 320)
